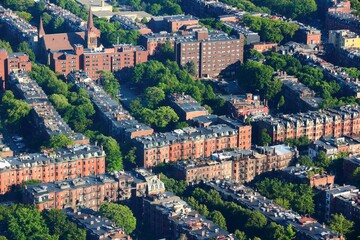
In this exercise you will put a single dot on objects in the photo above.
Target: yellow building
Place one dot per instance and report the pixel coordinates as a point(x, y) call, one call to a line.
point(344, 39)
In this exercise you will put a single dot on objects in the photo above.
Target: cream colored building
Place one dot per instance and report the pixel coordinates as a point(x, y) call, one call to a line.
point(344, 39)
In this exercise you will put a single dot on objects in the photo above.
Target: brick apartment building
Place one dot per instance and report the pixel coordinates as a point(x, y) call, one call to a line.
point(46, 121)
point(129, 24)
point(202, 169)
point(91, 191)
point(116, 120)
point(96, 226)
point(307, 175)
point(264, 46)
point(242, 106)
point(298, 94)
point(154, 41)
point(68, 52)
point(334, 146)
point(249, 163)
point(172, 23)
point(12, 62)
point(17, 28)
point(348, 205)
point(167, 216)
point(239, 165)
point(339, 20)
point(335, 122)
point(332, 199)
point(308, 35)
point(213, 53)
point(50, 166)
point(5, 151)
point(349, 85)
point(350, 164)
point(186, 107)
point(191, 142)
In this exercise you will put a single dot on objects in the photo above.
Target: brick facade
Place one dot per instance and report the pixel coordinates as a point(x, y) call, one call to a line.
point(335, 122)
point(213, 53)
point(192, 142)
point(12, 62)
point(51, 166)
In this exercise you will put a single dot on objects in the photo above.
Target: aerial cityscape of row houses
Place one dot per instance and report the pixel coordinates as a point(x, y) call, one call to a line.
point(224, 136)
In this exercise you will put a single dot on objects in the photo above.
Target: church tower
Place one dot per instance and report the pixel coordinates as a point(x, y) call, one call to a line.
point(91, 32)
point(41, 31)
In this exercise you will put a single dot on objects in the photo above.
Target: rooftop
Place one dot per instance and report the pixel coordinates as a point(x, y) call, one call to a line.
point(186, 103)
point(94, 223)
point(337, 190)
point(308, 227)
point(43, 189)
point(54, 156)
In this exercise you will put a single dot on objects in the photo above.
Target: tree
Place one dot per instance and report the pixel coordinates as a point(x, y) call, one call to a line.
point(46, 18)
point(59, 225)
point(340, 224)
point(239, 235)
point(27, 223)
point(256, 221)
point(181, 125)
point(305, 161)
point(113, 153)
point(110, 84)
point(154, 96)
point(144, 20)
point(60, 140)
point(355, 177)
point(18, 5)
point(281, 233)
point(25, 47)
point(58, 24)
point(164, 115)
point(6, 46)
point(131, 156)
point(25, 15)
point(14, 111)
point(321, 160)
point(265, 138)
point(218, 219)
point(190, 68)
point(60, 102)
point(281, 102)
point(120, 214)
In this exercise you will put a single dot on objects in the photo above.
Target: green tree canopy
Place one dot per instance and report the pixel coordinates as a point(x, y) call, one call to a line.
point(60, 226)
point(60, 140)
point(120, 214)
point(340, 224)
point(154, 96)
point(14, 111)
point(113, 153)
point(110, 84)
point(6, 46)
point(305, 161)
point(25, 47)
point(218, 219)
point(265, 138)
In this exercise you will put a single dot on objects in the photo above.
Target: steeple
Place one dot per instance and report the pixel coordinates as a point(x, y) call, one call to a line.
point(90, 23)
point(91, 32)
point(41, 31)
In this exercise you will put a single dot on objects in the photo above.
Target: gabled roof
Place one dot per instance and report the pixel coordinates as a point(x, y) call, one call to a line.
point(63, 41)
